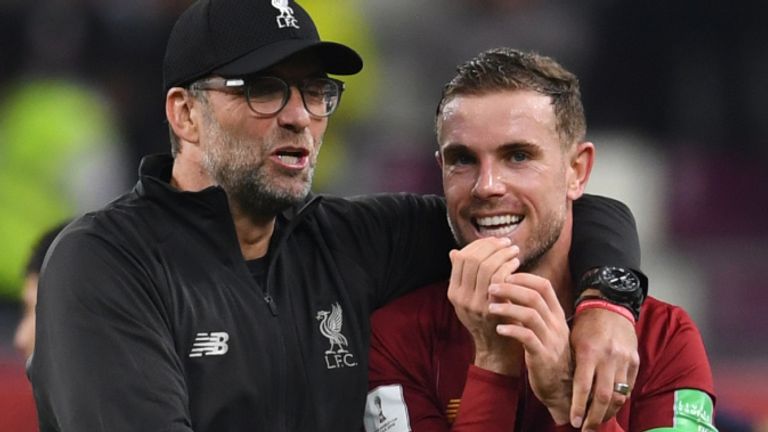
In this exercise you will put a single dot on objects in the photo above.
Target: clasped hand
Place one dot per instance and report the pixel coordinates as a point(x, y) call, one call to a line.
point(511, 317)
point(516, 321)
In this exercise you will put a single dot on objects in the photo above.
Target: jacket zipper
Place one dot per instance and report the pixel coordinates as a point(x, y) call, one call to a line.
point(269, 300)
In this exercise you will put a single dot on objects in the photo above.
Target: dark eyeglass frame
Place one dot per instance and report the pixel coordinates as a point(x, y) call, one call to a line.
point(240, 85)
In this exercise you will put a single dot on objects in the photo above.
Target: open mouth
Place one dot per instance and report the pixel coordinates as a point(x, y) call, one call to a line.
point(292, 158)
point(497, 226)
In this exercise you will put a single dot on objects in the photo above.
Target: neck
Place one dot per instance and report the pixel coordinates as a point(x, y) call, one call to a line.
point(554, 266)
point(188, 173)
point(253, 234)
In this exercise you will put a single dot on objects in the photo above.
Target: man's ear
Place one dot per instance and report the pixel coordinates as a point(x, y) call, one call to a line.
point(439, 159)
point(178, 111)
point(581, 161)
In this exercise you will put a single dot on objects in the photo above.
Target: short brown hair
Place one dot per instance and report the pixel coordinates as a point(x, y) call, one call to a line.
point(509, 69)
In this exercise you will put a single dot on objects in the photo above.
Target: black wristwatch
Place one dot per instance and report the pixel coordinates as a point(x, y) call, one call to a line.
point(618, 285)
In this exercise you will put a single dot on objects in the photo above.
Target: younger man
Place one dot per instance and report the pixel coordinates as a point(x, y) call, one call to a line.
point(497, 357)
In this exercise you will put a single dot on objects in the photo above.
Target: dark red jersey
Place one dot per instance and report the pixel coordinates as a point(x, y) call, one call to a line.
point(422, 377)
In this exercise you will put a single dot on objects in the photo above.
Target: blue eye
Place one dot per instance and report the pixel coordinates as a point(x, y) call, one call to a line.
point(519, 156)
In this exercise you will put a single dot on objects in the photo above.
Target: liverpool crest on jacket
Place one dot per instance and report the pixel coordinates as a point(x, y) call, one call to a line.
point(331, 322)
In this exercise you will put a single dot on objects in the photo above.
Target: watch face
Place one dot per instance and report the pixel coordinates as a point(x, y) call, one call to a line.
point(620, 279)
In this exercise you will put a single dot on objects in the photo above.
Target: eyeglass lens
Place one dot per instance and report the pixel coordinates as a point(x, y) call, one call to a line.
point(268, 95)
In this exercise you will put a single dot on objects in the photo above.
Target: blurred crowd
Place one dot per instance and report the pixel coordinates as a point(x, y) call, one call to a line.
point(674, 93)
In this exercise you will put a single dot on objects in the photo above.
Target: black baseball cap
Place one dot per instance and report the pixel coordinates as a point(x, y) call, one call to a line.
point(240, 37)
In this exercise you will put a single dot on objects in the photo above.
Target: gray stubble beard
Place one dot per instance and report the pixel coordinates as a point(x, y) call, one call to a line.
point(247, 183)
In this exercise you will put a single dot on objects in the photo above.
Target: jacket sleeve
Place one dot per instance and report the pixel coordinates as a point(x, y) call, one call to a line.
point(604, 233)
point(104, 359)
point(402, 240)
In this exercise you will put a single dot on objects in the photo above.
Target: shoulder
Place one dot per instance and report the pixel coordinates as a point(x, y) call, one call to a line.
point(658, 317)
point(128, 220)
point(672, 352)
point(99, 248)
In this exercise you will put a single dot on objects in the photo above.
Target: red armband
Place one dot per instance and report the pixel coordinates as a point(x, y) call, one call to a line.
point(605, 304)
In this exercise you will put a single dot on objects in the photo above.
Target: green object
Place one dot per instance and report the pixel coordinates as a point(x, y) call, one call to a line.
point(46, 128)
point(693, 412)
point(346, 23)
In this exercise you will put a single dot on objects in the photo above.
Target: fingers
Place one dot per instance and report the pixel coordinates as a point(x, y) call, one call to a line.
point(605, 350)
point(476, 264)
point(602, 394)
point(507, 268)
point(543, 287)
point(582, 385)
point(626, 373)
point(531, 300)
point(527, 328)
point(527, 314)
point(488, 259)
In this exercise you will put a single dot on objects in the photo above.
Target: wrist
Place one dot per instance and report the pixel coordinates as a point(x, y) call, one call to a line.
point(504, 363)
point(618, 285)
point(596, 302)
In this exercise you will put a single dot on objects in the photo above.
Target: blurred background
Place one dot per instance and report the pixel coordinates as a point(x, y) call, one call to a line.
point(675, 95)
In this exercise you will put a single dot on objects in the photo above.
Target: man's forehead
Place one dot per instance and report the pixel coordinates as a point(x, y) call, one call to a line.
point(502, 113)
point(506, 105)
point(505, 101)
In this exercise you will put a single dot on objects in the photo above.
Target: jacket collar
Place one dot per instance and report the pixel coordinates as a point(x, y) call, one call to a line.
point(154, 183)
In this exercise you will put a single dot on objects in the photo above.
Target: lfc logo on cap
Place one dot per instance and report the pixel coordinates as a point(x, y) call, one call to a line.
point(286, 18)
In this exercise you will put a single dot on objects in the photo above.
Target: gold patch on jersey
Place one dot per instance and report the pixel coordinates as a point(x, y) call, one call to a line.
point(452, 409)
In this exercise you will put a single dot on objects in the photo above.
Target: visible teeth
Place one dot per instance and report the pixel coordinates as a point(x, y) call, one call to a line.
point(499, 220)
point(289, 159)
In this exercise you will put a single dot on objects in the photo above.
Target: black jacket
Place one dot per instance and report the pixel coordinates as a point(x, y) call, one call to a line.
point(149, 319)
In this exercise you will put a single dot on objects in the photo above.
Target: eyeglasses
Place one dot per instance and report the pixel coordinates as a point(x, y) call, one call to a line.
point(267, 95)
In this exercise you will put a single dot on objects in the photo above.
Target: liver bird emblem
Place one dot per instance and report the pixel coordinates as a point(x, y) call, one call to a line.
point(286, 18)
point(330, 327)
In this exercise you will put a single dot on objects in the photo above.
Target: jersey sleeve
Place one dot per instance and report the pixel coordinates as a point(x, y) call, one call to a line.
point(104, 359)
point(676, 387)
point(489, 402)
point(604, 233)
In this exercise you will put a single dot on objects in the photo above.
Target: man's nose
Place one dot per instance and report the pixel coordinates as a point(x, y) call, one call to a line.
point(294, 114)
point(488, 183)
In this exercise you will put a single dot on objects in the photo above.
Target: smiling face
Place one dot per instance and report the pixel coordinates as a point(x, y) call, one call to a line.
point(505, 172)
point(265, 163)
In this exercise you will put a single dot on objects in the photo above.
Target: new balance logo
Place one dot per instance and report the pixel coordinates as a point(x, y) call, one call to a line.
point(208, 344)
